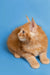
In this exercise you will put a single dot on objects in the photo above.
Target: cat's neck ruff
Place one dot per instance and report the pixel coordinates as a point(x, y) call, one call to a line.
point(32, 34)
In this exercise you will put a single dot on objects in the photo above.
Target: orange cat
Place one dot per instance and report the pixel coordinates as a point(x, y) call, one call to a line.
point(28, 41)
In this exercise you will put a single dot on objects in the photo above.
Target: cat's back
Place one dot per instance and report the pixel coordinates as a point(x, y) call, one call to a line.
point(42, 34)
point(43, 40)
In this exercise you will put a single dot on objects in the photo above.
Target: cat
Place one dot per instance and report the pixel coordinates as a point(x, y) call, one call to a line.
point(29, 41)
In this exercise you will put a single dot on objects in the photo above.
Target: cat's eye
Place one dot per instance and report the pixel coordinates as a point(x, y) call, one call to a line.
point(23, 31)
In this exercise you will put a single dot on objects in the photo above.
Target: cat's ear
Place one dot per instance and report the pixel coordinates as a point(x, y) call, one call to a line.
point(33, 25)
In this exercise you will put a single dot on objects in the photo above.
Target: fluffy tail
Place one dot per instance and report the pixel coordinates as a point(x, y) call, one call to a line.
point(27, 18)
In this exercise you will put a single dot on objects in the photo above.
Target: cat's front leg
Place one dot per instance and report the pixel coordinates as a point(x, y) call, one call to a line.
point(43, 58)
point(32, 60)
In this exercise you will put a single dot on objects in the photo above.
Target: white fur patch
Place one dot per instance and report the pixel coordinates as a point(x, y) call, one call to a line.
point(32, 34)
point(21, 39)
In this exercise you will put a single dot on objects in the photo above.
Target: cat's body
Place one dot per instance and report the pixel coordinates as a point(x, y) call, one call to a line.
point(28, 43)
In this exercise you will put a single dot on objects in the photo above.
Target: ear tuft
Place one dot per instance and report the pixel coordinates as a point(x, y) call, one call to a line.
point(27, 18)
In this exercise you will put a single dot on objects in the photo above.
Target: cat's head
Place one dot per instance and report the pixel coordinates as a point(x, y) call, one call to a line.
point(23, 35)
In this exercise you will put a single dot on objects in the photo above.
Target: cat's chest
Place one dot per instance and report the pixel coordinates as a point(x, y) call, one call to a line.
point(33, 46)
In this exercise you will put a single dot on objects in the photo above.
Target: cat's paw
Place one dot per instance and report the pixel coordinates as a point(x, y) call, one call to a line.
point(45, 61)
point(35, 65)
point(16, 55)
point(33, 62)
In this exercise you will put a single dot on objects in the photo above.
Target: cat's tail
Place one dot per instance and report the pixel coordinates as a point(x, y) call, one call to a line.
point(27, 18)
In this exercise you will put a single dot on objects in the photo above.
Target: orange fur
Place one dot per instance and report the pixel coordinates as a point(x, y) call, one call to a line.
point(28, 41)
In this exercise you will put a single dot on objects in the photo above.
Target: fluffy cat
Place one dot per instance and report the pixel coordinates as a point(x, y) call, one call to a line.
point(29, 41)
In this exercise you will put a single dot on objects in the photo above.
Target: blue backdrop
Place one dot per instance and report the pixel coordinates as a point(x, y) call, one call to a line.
point(13, 14)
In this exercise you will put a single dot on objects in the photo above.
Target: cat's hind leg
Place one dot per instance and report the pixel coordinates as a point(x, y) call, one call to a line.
point(43, 58)
point(14, 53)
